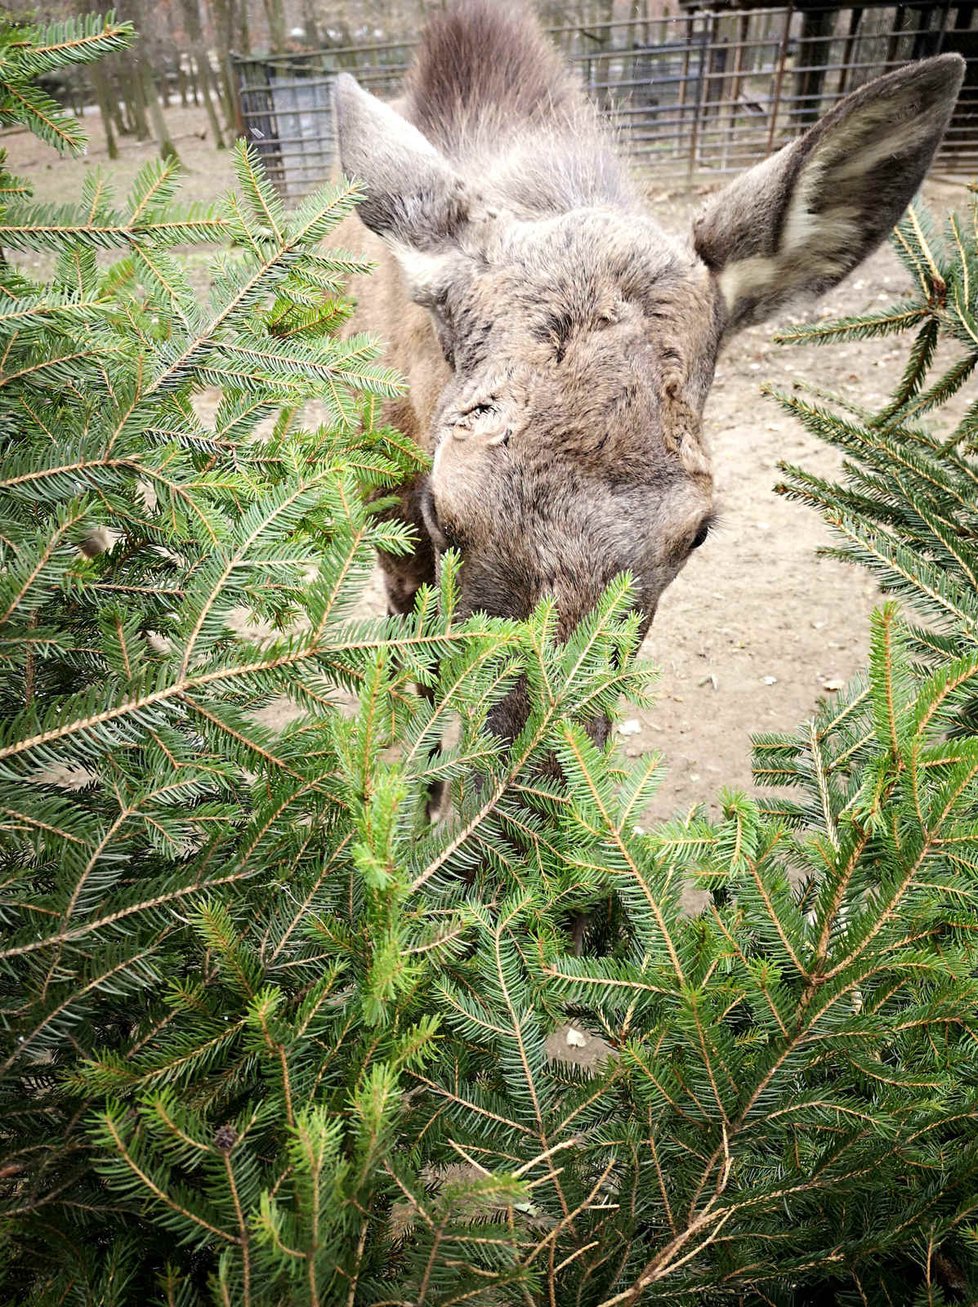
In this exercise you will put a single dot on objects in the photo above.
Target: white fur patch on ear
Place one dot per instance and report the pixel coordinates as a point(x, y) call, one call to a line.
point(745, 278)
point(426, 273)
point(812, 243)
point(855, 158)
point(429, 272)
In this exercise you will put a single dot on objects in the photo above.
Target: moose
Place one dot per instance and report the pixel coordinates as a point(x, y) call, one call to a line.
point(558, 344)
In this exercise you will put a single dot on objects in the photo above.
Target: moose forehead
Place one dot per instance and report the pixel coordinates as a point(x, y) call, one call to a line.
point(580, 271)
point(594, 328)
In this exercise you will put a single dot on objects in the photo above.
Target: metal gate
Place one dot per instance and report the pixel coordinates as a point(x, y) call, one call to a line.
point(696, 95)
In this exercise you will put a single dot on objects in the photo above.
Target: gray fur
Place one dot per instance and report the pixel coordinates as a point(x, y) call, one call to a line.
point(558, 344)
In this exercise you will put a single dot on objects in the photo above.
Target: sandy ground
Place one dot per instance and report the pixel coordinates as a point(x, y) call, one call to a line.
point(756, 628)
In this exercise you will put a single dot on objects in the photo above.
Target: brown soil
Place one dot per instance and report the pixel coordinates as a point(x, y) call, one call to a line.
point(756, 628)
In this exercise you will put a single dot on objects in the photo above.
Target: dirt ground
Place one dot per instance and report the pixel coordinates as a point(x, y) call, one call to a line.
point(756, 628)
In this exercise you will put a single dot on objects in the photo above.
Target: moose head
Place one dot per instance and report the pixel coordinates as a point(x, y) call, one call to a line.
point(570, 341)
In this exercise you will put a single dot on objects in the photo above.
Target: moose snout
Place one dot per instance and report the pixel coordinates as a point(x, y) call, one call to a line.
point(575, 598)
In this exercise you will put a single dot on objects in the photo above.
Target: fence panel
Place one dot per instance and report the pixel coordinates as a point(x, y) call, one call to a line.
point(695, 95)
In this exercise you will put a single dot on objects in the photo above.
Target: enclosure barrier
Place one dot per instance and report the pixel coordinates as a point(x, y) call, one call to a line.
point(695, 95)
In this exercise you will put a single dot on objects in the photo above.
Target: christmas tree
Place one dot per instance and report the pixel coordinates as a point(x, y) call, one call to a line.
point(269, 1035)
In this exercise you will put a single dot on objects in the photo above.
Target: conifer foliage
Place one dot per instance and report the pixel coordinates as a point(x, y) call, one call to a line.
point(269, 1036)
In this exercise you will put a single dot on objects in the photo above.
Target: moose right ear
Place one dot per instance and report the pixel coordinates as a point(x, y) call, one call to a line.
point(412, 195)
point(800, 221)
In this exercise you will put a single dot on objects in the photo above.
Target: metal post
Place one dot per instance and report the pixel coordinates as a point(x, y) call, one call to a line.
point(789, 14)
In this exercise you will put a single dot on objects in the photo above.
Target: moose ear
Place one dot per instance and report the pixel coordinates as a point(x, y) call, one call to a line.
point(412, 196)
point(802, 220)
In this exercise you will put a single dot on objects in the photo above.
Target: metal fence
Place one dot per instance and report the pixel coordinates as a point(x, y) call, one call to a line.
point(699, 94)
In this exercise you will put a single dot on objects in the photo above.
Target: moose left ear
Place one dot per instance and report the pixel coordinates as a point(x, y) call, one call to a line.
point(412, 195)
point(802, 220)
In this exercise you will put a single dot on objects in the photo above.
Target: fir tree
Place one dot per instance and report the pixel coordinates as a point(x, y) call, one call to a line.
point(272, 1038)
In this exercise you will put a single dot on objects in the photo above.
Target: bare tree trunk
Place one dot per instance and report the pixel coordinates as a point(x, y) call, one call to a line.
point(243, 34)
point(133, 95)
point(106, 96)
point(101, 86)
point(111, 75)
point(275, 15)
point(226, 36)
point(128, 69)
point(310, 24)
point(202, 65)
point(210, 91)
point(160, 130)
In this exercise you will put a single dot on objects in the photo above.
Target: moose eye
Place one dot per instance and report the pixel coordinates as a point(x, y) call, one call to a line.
point(482, 419)
point(700, 537)
point(482, 410)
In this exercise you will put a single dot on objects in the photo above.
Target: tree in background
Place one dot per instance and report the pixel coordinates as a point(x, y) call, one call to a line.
point(186, 47)
point(201, 64)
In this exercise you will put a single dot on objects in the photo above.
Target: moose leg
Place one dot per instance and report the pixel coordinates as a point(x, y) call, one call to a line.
point(403, 577)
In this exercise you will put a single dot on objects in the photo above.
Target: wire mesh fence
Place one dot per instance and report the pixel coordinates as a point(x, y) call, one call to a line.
point(701, 93)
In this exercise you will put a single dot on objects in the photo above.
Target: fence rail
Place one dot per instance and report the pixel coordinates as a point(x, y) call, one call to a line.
point(698, 94)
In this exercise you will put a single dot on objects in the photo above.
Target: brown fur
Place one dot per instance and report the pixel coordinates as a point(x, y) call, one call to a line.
point(490, 59)
point(558, 346)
